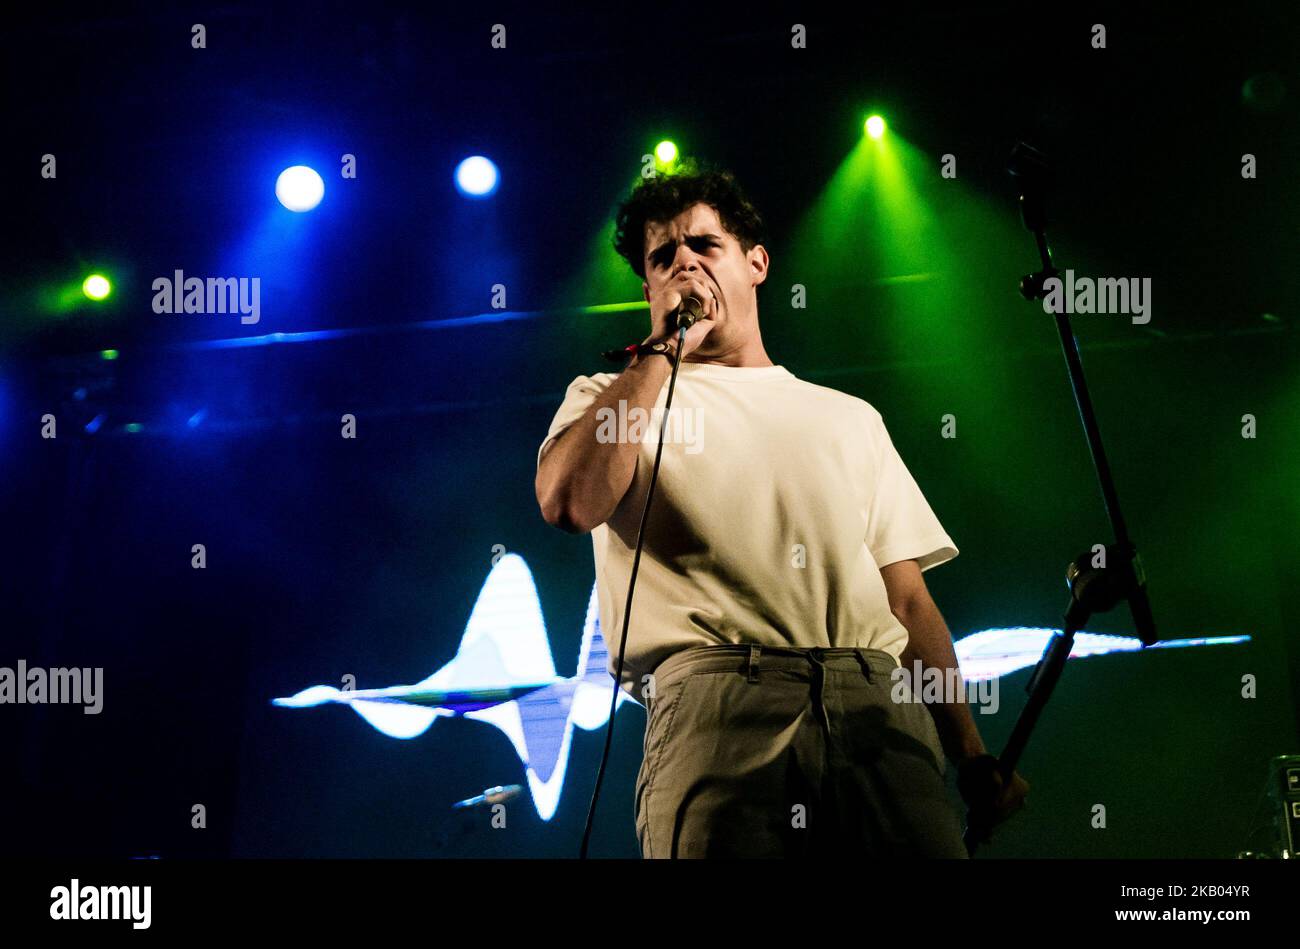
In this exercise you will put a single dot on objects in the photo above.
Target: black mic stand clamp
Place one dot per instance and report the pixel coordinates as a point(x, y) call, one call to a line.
point(1031, 285)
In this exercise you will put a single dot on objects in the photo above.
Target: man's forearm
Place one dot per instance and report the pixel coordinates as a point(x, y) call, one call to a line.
point(930, 642)
point(581, 479)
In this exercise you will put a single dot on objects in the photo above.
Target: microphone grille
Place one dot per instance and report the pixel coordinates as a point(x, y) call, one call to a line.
point(689, 312)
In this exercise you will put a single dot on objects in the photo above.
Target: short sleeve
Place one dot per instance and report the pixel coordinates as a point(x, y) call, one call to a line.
point(900, 523)
point(582, 391)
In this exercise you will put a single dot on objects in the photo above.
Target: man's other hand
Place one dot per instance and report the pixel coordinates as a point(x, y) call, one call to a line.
point(989, 802)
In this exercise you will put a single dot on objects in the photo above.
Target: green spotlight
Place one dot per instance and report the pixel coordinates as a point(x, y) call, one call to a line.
point(96, 286)
point(666, 152)
point(109, 354)
point(875, 126)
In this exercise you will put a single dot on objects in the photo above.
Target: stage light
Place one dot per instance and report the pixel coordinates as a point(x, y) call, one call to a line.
point(1264, 92)
point(96, 286)
point(109, 354)
point(477, 177)
point(666, 152)
point(299, 188)
point(875, 126)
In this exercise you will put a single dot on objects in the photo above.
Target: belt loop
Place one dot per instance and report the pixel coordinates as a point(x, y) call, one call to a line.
point(754, 651)
point(862, 661)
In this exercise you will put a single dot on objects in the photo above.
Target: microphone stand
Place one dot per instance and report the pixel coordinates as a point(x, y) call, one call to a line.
point(1094, 587)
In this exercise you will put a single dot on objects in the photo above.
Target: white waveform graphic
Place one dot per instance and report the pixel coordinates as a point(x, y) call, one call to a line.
point(992, 653)
point(503, 674)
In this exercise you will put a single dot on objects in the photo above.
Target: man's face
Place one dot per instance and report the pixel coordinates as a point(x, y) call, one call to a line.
point(696, 242)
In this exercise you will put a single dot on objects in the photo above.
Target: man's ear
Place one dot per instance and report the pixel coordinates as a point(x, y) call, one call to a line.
point(758, 263)
point(645, 291)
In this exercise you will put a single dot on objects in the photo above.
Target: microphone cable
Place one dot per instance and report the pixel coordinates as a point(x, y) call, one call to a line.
point(627, 610)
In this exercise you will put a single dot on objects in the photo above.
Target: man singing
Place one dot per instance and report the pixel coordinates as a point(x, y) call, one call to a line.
point(780, 583)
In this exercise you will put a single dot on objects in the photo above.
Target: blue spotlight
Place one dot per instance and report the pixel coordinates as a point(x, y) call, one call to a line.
point(299, 188)
point(477, 177)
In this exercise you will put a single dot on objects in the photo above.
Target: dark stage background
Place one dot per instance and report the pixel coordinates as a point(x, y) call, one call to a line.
point(328, 556)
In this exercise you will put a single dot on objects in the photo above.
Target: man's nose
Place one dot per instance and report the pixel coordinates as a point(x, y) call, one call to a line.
point(685, 261)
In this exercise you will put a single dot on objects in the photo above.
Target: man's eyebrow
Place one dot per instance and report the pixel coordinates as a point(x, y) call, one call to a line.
point(672, 241)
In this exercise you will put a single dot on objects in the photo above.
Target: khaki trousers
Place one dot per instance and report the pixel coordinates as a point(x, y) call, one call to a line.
point(755, 751)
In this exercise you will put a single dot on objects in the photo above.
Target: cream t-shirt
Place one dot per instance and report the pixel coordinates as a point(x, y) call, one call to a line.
point(778, 501)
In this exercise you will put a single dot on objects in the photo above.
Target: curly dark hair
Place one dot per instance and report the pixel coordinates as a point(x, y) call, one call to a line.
point(663, 197)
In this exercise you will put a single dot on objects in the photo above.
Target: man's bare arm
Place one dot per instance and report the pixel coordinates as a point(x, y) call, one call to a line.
point(581, 480)
point(930, 641)
point(989, 799)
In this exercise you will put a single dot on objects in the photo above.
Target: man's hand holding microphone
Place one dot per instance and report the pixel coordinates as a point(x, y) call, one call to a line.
point(581, 478)
point(671, 302)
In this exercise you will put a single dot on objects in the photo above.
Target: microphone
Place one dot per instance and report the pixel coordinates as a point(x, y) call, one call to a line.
point(496, 795)
point(689, 311)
